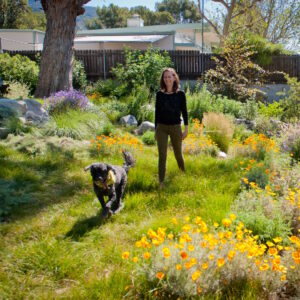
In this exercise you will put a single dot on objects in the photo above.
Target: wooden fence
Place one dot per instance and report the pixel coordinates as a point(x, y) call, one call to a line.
point(98, 63)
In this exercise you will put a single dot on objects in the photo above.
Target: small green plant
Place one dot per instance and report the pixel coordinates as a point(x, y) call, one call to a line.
point(219, 128)
point(79, 76)
point(274, 109)
point(148, 138)
point(258, 175)
point(249, 110)
point(17, 90)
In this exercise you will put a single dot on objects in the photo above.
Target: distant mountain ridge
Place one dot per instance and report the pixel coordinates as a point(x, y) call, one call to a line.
point(90, 12)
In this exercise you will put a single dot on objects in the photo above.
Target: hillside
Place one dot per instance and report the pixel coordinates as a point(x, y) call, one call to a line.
point(90, 12)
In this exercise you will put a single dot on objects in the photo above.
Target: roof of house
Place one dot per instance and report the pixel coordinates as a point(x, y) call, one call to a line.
point(21, 30)
point(118, 38)
point(155, 29)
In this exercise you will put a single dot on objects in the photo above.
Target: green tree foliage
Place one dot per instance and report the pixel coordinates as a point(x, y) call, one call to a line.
point(111, 16)
point(10, 11)
point(142, 68)
point(183, 11)
point(235, 71)
point(32, 20)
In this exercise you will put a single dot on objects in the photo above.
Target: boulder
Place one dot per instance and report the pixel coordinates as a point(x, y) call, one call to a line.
point(145, 126)
point(128, 120)
point(222, 154)
point(18, 107)
point(35, 112)
point(3, 132)
point(247, 123)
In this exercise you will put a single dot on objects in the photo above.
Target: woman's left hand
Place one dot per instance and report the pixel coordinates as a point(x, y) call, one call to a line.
point(185, 133)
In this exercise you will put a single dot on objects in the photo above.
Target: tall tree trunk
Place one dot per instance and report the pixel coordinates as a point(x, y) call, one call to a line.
point(57, 57)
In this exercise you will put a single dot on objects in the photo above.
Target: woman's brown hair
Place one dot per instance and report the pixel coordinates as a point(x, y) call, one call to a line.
point(176, 84)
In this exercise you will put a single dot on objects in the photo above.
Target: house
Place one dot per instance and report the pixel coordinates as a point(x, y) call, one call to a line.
point(21, 39)
point(186, 36)
point(137, 36)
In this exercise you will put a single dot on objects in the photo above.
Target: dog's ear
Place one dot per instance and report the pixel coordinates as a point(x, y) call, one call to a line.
point(109, 167)
point(88, 167)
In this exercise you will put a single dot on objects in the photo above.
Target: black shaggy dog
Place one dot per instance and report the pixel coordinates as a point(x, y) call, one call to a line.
point(109, 180)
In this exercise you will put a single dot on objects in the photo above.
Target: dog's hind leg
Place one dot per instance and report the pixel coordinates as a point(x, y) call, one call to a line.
point(118, 204)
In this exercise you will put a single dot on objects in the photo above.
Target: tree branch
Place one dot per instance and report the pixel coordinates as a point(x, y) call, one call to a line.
point(242, 11)
point(222, 2)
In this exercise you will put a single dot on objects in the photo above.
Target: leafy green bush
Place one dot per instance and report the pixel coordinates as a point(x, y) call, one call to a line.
point(267, 126)
point(235, 71)
point(258, 175)
point(148, 138)
point(249, 110)
point(241, 133)
point(110, 88)
point(290, 140)
point(142, 68)
point(274, 109)
point(16, 126)
point(203, 101)
point(219, 128)
point(139, 104)
point(79, 76)
point(114, 110)
point(291, 104)
point(19, 68)
point(17, 90)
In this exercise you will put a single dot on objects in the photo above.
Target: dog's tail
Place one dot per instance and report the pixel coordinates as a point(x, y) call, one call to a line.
point(129, 161)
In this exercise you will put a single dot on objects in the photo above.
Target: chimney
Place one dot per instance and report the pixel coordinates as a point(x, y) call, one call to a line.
point(135, 21)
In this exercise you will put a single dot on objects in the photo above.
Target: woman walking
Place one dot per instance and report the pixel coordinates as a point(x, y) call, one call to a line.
point(170, 105)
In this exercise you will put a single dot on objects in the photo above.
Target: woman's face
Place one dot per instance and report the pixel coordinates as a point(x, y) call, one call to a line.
point(169, 79)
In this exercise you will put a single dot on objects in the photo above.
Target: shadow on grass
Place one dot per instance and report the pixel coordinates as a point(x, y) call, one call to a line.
point(33, 183)
point(80, 228)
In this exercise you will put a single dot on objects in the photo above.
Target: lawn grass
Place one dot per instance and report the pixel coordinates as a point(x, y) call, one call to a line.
point(57, 245)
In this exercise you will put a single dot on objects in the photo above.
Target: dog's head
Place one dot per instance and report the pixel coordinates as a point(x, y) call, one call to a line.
point(99, 172)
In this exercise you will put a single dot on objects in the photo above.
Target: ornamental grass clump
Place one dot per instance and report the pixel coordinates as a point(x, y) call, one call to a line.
point(198, 142)
point(220, 129)
point(199, 261)
point(61, 101)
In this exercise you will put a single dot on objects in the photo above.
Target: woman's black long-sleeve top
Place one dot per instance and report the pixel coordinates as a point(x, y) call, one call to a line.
point(169, 107)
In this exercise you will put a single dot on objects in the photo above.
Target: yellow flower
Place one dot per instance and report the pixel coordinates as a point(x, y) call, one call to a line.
point(264, 267)
point(277, 240)
point(191, 248)
point(273, 251)
point(160, 275)
point(174, 221)
point(186, 228)
point(283, 278)
point(178, 267)
point(135, 259)
point(211, 257)
point(230, 255)
point(216, 224)
point(220, 262)
point(166, 252)
point(147, 255)
point(125, 255)
point(170, 236)
point(205, 266)
point(232, 217)
point(226, 222)
point(186, 219)
point(270, 244)
point(296, 256)
point(196, 275)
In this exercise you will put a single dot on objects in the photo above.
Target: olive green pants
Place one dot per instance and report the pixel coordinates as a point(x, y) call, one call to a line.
point(162, 134)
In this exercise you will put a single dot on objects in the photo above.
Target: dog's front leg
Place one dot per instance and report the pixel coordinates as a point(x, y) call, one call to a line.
point(112, 197)
point(105, 209)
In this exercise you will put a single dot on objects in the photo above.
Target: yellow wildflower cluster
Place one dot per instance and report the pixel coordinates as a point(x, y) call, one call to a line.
point(202, 256)
point(255, 145)
point(105, 143)
point(197, 141)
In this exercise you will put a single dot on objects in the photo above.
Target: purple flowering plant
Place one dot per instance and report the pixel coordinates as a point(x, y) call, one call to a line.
point(61, 101)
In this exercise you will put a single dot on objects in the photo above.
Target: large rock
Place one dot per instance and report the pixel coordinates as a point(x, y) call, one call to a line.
point(247, 123)
point(145, 126)
point(18, 107)
point(128, 120)
point(35, 112)
point(29, 109)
